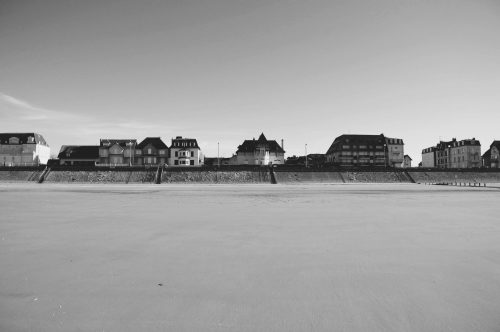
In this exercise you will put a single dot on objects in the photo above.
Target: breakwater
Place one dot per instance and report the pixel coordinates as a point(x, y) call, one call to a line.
point(242, 174)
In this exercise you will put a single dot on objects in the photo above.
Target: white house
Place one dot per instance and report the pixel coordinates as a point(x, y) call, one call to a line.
point(23, 149)
point(185, 152)
point(259, 152)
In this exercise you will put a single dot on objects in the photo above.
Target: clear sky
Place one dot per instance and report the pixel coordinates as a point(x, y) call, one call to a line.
point(225, 71)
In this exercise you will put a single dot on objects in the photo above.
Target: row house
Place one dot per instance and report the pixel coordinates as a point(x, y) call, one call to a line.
point(185, 152)
point(23, 149)
point(395, 152)
point(259, 152)
point(117, 152)
point(366, 150)
point(453, 154)
point(491, 158)
point(151, 151)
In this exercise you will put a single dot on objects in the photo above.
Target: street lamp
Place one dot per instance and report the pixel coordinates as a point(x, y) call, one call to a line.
point(218, 161)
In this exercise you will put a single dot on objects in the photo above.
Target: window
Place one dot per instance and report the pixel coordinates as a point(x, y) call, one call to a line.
point(177, 154)
point(176, 162)
point(191, 162)
point(192, 153)
point(149, 151)
point(162, 152)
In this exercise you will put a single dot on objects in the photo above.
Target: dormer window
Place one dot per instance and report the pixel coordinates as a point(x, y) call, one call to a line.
point(14, 140)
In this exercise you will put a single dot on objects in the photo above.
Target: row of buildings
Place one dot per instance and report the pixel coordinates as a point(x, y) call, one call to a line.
point(346, 150)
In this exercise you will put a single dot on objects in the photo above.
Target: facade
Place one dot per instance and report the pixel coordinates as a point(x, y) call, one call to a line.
point(185, 152)
point(453, 154)
point(117, 152)
point(429, 157)
point(83, 155)
point(23, 149)
point(407, 161)
point(151, 151)
point(491, 158)
point(395, 152)
point(259, 152)
point(358, 150)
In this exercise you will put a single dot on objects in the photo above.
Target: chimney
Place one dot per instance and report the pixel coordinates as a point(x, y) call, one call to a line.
point(282, 144)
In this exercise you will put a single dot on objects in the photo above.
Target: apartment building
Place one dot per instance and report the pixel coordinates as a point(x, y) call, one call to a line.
point(358, 150)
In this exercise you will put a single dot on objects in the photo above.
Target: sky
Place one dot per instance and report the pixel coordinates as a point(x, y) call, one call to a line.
point(225, 71)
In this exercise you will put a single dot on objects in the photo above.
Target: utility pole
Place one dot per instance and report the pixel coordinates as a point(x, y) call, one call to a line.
point(306, 154)
point(218, 160)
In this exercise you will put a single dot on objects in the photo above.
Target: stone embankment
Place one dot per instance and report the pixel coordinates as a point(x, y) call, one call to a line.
point(257, 176)
point(244, 175)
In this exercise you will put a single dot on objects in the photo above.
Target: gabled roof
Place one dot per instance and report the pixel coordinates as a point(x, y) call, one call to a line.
point(495, 144)
point(487, 154)
point(24, 138)
point(407, 156)
point(154, 141)
point(79, 152)
point(355, 140)
point(262, 142)
point(106, 142)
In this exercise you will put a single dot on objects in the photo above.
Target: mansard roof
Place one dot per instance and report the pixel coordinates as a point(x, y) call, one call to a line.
point(348, 139)
point(79, 152)
point(24, 138)
point(252, 145)
point(188, 143)
point(154, 141)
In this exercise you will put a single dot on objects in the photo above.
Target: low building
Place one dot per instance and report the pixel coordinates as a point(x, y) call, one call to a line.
point(117, 152)
point(314, 160)
point(491, 158)
point(395, 152)
point(358, 150)
point(185, 152)
point(407, 161)
point(259, 152)
point(151, 151)
point(81, 155)
point(453, 154)
point(23, 149)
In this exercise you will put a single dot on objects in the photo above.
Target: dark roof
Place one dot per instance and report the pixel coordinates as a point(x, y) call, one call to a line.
point(79, 152)
point(154, 141)
point(23, 138)
point(355, 140)
point(252, 145)
point(121, 142)
point(495, 144)
point(454, 143)
point(487, 154)
point(407, 156)
point(180, 142)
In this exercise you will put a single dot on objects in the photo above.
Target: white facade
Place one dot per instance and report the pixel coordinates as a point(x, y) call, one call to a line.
point(395, 152)
point(23, 150)
point(429, 157)
point(259, 152)
point(185, 152)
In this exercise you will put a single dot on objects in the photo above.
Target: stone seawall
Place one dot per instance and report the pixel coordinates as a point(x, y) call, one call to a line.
point(257, 175)
point(121, 176)
point(455, 177)
point(216, 177)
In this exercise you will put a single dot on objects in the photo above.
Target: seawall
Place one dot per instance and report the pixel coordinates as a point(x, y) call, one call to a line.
point(280, 175)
